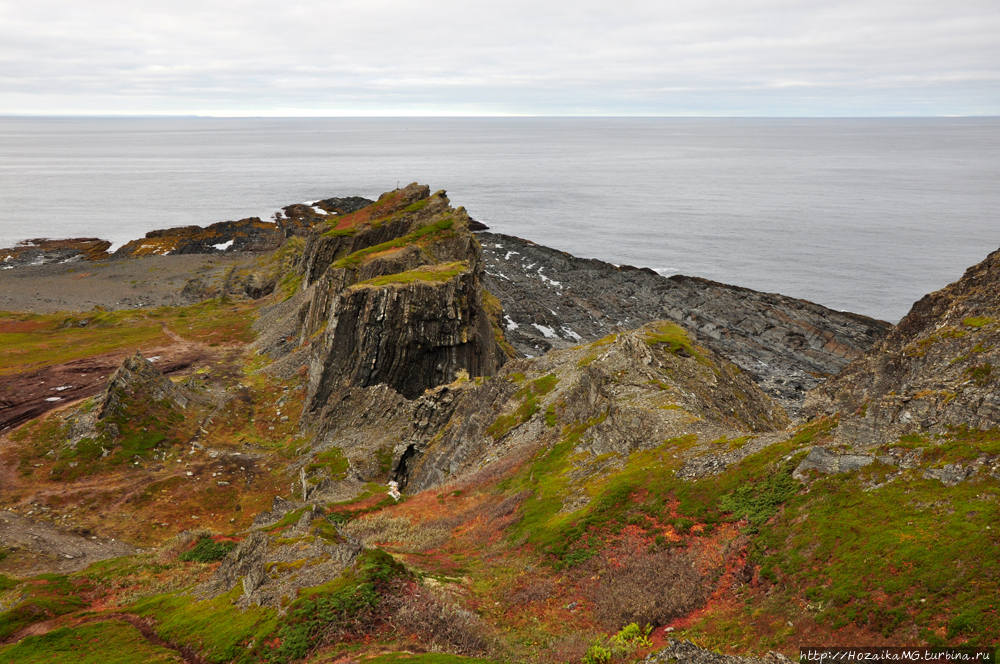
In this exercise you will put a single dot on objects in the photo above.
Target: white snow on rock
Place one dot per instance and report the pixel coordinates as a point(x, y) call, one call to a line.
point(511, 325)
point(224, 245)
point(546, 331)
point(571, 333)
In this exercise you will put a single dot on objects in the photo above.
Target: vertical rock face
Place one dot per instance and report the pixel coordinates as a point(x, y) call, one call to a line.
point(395, 298)
point(933, 371)
point(409, 336)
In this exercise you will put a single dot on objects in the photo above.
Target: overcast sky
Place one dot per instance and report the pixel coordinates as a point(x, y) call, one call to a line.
point(533, 57)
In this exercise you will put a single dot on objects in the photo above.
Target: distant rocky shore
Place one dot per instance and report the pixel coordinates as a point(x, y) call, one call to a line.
point(550, 299)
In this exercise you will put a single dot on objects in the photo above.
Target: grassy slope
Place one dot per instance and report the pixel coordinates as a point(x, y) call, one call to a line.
point(909, 562)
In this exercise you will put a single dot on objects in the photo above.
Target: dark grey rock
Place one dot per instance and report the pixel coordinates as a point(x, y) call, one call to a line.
point(830, 463)
point(552, 299)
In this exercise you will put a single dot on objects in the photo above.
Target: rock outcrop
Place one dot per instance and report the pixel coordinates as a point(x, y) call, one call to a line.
point(277, 559)
point(933, 373)
point(42, 252)
point(627, 392)
point(552, 299)
point(391, 295)
point(251, 235)
point(137, 378)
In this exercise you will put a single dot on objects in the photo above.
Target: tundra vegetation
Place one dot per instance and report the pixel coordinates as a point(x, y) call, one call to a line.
point(583, 506)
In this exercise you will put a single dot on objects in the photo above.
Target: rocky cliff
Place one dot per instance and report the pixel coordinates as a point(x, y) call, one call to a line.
point(933, 373)
point(390, 294)
point(552, 299)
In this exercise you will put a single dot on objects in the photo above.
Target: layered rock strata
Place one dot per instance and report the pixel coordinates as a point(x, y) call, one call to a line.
point(390, 296)
point(273, 563)
point(933, 373)
point(552, 299)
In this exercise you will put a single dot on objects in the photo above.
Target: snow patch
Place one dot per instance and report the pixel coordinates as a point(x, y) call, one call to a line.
point(546, 331)
point(571, 333)
point(511, 325)
point(224, 245)
point(54, 399)
point(61, 388)
point(509, 254)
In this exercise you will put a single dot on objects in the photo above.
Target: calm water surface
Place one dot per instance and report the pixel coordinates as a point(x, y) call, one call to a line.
point(861, 215)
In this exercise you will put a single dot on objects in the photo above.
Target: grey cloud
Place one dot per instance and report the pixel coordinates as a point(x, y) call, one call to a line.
point(445, 56)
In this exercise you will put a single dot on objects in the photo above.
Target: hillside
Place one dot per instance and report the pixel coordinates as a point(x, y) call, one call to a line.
point(211, 476)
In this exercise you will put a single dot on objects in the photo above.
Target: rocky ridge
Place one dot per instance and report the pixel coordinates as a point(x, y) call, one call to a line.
point(933, 373)
point(43, 252)
point(552, 299)
point(273, 565)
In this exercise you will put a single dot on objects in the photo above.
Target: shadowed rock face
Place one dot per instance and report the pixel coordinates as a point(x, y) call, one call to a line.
point(392, 295)
point(933, 371)
point(552, 299)
point(409, 336)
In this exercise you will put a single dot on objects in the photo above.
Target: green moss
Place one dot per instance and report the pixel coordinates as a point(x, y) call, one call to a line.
point(759, 501)
point(384, 458)
point(6, 583)
point(551, 419)
point(110, 642)
point(426, 658)
point(419, 205)
point(912, 551)
point(980, 374)
point(675, 339)
point(341, 232)
point(976, 321)
point(207, 550)
point(731, 444)
point(351, 598)
point(423, 233)
point(528, 396)
point(219, 630)
point(646, 489)
point(430, 273)
point(332, 461)
point(46, 596)
point(287, 520)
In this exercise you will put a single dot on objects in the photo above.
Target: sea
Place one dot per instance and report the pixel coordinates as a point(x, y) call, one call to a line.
point(862, 215)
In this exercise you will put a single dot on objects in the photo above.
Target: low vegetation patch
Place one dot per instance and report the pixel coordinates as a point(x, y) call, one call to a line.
point(110, 642)
point(207, 550)
point(528, 396)
point(429, 273)
point(423, 234)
